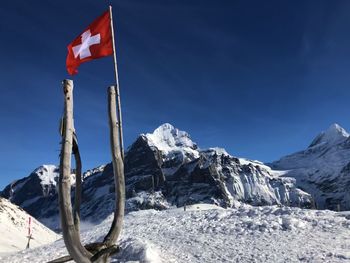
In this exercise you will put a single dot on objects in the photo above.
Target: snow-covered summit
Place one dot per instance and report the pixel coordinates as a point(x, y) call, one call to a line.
point(333, 135)
point(168, 138)
point(48, 174)
point(174, 145)
point(323, 168)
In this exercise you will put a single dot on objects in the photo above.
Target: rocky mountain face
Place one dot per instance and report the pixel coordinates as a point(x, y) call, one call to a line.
point(163, 168)
point(323, 169)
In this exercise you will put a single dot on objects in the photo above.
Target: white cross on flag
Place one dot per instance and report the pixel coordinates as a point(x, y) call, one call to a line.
point(94, 42)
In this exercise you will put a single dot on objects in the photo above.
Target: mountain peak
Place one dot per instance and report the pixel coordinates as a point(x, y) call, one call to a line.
point(334, 134)
point(48, 174)
point(167, 138)
point(335, 127)
point(165, 128)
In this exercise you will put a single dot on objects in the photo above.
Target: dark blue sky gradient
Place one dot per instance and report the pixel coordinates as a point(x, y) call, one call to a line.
point(259, 78)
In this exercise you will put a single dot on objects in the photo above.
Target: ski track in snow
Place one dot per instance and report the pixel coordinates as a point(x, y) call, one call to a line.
point(205, 233)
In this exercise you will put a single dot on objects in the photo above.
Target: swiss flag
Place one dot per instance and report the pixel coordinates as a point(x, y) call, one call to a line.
point(94, 42)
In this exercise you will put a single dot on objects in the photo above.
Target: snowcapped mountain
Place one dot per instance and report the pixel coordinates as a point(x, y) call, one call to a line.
point(14, 223)
point(36, 193)
point(41, 182)
point(187, 174)
point(323, 169)
point(162, 169)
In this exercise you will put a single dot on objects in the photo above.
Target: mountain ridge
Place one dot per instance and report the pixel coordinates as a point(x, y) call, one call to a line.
point(166, 168)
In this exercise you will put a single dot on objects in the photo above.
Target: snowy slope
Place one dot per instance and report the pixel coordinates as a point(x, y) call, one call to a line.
point(14, 229)
point(206, 234)
point(323, 169)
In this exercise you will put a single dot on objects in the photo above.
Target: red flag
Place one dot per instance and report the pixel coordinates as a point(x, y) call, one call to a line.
point(94, 42)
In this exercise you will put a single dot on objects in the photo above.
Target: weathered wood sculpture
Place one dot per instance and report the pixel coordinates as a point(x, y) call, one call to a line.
point(70, 219)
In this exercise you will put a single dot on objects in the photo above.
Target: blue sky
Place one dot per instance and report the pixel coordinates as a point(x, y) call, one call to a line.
point(259, 78)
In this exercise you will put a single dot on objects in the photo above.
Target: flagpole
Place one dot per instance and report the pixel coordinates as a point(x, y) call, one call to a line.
point(117, 87)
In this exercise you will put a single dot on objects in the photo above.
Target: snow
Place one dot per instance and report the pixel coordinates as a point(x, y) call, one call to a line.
point(333, 135)
point(322, 168)
point(48, 174)
point(206, 233)
point(147, 200)
point(199, 207)
point(166, 137)
point(277, 173)
point(169, 140)
point(14, 229)
point(216, 150)
point(96, 170)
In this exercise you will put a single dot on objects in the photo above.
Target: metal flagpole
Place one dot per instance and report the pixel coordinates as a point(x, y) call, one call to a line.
point(117, 87)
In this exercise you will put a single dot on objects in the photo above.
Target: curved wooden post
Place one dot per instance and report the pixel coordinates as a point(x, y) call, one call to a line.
point(70, 234)
point(118, 169)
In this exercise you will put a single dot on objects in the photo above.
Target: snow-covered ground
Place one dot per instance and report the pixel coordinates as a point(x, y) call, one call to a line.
point(206, 233)
point(14, 222)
